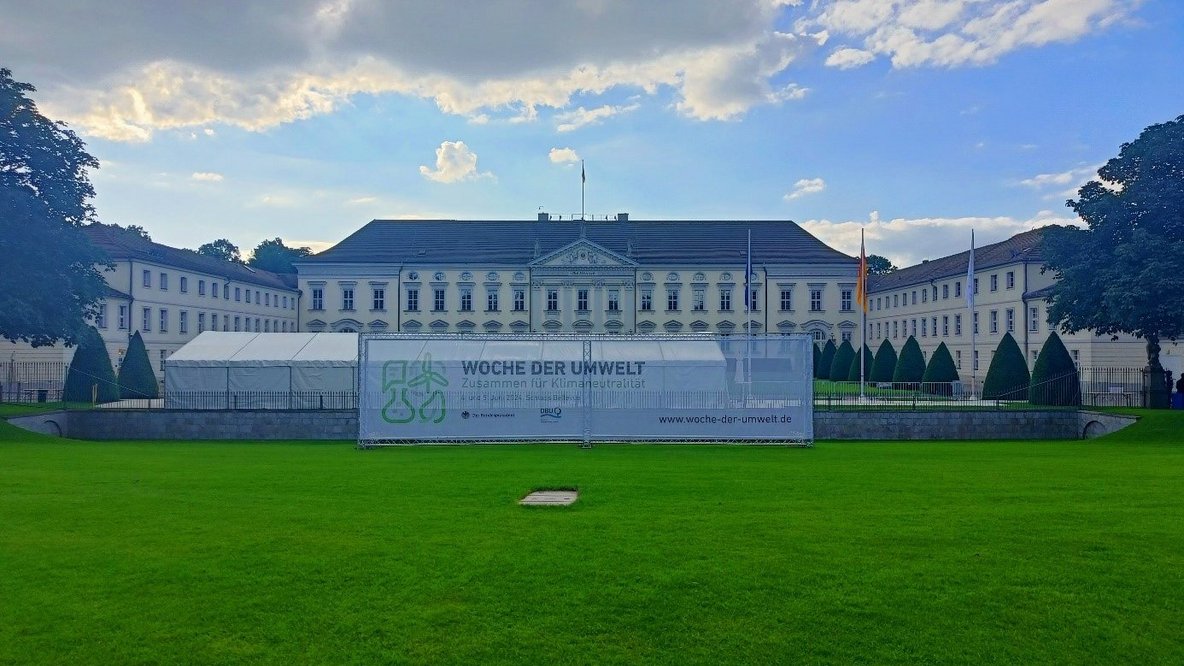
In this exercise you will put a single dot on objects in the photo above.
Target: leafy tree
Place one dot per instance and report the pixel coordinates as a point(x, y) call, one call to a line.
point(139, 231)
point(910, 367)
point(45, 195)
point(221, 249)
point(841, 363)
point(1007, 377)
point(941, 373)
point(877, 265)
point(853, 371)
point(1054, 377)
point(825, 361)
point(885, 364)
point(90, 367)
point(272, 255)
point(1122, 274)
point(136, 379)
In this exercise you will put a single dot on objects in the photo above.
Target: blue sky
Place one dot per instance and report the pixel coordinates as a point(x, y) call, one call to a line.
point(914, 120)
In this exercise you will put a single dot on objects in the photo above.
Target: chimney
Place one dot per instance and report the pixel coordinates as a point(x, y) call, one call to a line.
point(544, 217)
point(622, 217)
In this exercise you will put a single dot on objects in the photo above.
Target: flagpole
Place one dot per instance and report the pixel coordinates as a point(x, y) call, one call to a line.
point(748, 321)
point(583, 180)
point(973, 327)
point(861, 282)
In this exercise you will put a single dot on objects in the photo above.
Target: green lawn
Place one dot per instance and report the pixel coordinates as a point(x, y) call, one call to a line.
point(1018, 552)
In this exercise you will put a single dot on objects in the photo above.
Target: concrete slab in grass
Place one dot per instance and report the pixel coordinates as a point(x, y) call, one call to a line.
point(550, 498)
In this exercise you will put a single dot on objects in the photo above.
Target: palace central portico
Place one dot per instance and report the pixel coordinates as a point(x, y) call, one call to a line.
point(604, 276)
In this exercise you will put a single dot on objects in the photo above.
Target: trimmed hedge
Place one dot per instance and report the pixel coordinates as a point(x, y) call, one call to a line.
point(853, 373)
point(885, 364)
point(91, 367)
point(1054, 377)
point(1007, 378)
point(828, 357)
point(136, 379)
point(841, 362)
point(940, 373)
point(910, 367)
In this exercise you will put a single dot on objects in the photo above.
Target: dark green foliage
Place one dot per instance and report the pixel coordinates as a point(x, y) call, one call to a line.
point(877, 265)
point(49, 284)
point(221, 249)
point(136, 379)
point(825, 361)
point(817, 359)
point(885, 364)
point(1054, 377)
point(91, 366)
point(853, 371)
point(910, 367)
point(940, 373)
point(1007, 378)
point(841, 363)
point(1122, 274)
point(272, 255)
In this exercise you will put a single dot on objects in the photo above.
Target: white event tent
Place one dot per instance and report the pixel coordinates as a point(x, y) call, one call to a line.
point(223, 370)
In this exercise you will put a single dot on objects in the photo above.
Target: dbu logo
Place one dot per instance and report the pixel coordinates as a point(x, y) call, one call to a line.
point(413, 390)
point(550, 415)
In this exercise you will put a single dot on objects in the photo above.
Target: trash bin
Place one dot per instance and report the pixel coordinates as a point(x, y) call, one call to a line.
point(42, 395)
point(1178, 401)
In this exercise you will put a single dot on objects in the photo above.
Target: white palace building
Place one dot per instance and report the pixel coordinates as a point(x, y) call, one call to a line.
point(605, 276)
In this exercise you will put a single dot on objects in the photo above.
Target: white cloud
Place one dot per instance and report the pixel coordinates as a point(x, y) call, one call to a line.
point(361, 201)
point(806, 186)
point(1079, 176)
point(314, 245)
point(455, 162)
point(563, 156)
point(581, 117)
point(906, 241)
point(207, 176)
point(848, 58)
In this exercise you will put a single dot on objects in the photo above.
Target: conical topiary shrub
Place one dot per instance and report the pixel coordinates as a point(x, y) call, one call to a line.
point(1054, 377)
point(910, 367)
point(1007, 378)
point(824, 362)
point(853, 372)
point(841, 363)
point(817, 358)
point(91, 367)
point(885, 364)
point(136, 379)
point(941, 373)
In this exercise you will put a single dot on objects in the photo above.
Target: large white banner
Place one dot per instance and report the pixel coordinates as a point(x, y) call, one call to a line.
point(431, 388)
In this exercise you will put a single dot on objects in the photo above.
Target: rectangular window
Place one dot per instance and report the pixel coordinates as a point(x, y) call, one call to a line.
point(248, 296)
point(995, 282)
point(201, 322)
point(958, 358)
point(162, 356)
point(816, 300)
point(787, 300)
point(924, 295)
point(945, 326)
point(214, 289)
point(914, 327)
point(895, 329)
point(164, 320)
point(552, 300)
point(146, 320)
point(924, 328)
point(945, 291)
point(1011, 279)
point(267, 326)
point(101, 316)
point(213, 321)
point(201, 287)
point(226, 290)
point(976, 359)
point(934, 293)
point(958, 289)
point(257, 328)
point(914, 297)
point(976, 286)
point(754, 301)
point(933, 327)
point(1033, 319)
point(123, 317)
point(846, 299)
point(183, 321)
point(267, 298)
point(958, 325)
point(412, 299)
point(237, 323)
point(1010, 320)
point(725, 299)
point(285, 302)
point(614, 300)
point(672, 298)
point(1076, 356)
point(647, 299)
point(378, 302)
point(994, 321)
point(147, 278)
point(318, 298)
point(347, 298)
point(184, 284)
point(582, 300)
point(698, 299)
point(257, 301)
point(976, 323)
point(491, 304)
point(519, 299)
point(438, 300)
point(238, 296)
point(845, 336)
point(895, 300)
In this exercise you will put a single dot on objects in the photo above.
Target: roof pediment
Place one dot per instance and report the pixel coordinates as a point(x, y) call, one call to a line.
point(582, 253)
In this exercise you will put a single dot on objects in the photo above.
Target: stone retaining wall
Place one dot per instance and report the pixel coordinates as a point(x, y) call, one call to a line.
point(106, 424)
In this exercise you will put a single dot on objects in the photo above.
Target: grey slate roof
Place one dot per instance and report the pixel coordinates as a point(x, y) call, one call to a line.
point(503, 242)
point(120, 244)
point(1021, 247)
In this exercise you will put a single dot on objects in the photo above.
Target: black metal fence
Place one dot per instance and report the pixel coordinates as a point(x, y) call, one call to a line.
point(32, 381)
